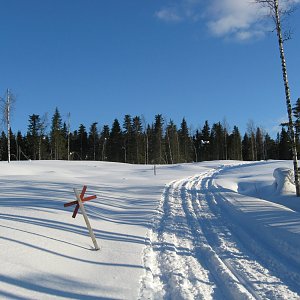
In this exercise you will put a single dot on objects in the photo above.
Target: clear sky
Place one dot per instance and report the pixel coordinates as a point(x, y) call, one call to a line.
point(99, 60)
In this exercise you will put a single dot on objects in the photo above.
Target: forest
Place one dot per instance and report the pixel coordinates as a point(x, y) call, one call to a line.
point(135, 141)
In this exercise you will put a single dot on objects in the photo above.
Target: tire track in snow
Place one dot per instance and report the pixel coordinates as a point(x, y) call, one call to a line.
point(192, 253)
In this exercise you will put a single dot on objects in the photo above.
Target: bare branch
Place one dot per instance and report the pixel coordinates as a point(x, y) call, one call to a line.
point(287, 35)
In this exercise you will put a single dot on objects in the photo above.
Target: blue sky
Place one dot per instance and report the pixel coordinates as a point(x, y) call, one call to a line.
point(100, 60)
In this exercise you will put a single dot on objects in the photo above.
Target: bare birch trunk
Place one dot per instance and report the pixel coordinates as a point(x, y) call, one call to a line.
point(287, 95)
point(8, 124)
point(273, 5)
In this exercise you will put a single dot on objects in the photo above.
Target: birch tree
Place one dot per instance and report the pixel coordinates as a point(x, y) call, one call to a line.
point(6, 107)
point(278, 10)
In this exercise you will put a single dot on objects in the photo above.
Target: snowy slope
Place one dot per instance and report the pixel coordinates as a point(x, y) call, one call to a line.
point(212, 230)
point(46, 253)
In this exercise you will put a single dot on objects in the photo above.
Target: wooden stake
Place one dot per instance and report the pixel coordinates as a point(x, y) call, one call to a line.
point(88, 225)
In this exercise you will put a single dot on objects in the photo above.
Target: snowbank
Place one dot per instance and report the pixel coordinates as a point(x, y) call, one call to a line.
point(284, 180)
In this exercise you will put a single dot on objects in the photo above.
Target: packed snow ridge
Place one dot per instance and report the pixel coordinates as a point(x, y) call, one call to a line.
point(210, 230)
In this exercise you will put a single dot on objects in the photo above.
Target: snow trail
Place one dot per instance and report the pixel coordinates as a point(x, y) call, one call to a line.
point(170, 257)
point(196, 250)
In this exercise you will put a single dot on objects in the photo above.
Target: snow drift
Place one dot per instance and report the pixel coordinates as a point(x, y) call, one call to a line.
point(284, 180)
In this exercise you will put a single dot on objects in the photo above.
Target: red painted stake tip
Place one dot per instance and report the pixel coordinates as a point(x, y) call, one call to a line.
point(75, 211)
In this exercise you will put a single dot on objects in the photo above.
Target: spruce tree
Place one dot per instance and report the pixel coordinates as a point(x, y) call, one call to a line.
point(20, 145)
point(205, 143)
point(284, 147)
point(217, 141)
point(235, 145)
point(57, 138)
point(74, 145)
point(128, 146)
point(251, 131)
point(260, 144)
point(296, 113)
point(138, 145)
point(104, 142)
point(33, 136)
point(157, 141)
point(13, 146)
point(83, 141)
point(197, 145)
point(117, 152)
point(271, 148)
point(149, 153)
point(185, 143)
point(93, 142)
point(172, 143)
point(3, 146)
point(246, 148)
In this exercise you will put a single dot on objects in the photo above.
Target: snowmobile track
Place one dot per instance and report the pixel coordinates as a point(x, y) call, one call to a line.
point(195, 253)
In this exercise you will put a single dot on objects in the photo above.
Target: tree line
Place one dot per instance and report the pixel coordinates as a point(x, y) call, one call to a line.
point(137, 142)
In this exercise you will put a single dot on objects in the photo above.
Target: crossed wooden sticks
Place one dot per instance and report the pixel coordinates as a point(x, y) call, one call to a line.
point(79, 204)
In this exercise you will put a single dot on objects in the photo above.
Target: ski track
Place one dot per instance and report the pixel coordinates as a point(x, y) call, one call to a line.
point(196, 250)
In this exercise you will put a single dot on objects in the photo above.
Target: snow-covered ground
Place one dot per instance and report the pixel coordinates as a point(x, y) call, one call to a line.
point(211, 230)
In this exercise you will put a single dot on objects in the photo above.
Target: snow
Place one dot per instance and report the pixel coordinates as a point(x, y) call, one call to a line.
point(284, 180)
point(210, 230)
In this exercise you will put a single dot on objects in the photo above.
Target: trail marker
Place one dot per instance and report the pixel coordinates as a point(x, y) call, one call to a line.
point(79, 204)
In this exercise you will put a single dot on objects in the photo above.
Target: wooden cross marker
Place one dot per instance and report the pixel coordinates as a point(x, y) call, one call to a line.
point(82, 199)
point(79, 204)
